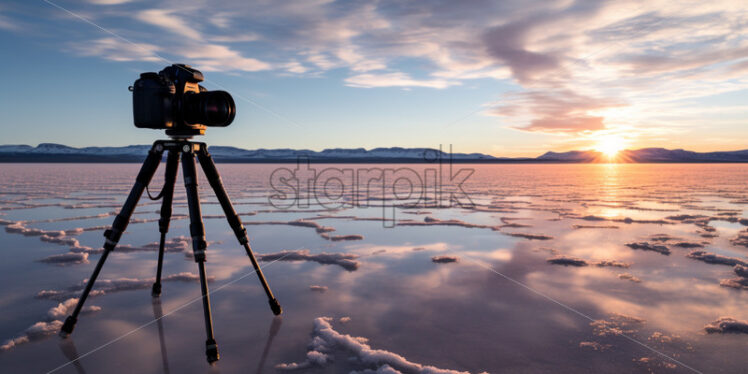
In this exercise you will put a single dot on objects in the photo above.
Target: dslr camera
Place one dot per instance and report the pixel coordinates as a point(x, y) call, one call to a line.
point(173, 100)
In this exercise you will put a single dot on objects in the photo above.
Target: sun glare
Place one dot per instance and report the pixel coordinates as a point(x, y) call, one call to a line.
point(610, 146)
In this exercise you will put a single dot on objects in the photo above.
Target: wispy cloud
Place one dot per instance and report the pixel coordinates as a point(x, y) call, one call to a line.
point(167, 20)
point(398, 79)
point(555, 110)
point(114, 49)
point(577, 67)
point(110, 2)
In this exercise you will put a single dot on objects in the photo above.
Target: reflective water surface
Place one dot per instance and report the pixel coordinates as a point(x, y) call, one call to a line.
point(552, 268)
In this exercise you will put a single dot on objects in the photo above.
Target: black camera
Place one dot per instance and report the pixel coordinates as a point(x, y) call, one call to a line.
point(174, 101)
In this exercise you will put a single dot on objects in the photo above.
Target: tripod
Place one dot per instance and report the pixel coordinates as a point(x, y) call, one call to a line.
point(187, 150)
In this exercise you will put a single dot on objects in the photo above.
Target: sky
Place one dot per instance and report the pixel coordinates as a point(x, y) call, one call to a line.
point(507, 78)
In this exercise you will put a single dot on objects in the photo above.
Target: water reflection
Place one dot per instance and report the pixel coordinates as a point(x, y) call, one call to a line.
point(158, 315)
point(457, 316)
point(275, 326)
point(67, 346)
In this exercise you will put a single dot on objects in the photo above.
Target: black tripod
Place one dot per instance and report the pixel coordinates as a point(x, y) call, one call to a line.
point(188, 150)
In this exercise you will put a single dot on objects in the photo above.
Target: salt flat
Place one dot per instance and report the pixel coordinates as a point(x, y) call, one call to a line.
point(544, 268)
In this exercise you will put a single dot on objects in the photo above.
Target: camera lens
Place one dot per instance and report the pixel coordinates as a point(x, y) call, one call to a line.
point(210, 108)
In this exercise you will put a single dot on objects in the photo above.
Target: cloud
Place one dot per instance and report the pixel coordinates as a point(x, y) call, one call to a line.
point(216, 57)
point(235, 38)
point(507, 43)
point(114, 49)
point(576, 67)
point(344, 260)
point(202, 51)
point(397, 79)
point(166, 20)
point(358, 62)
point(110, 2)
point(560, 110)
point(295, 67)
point(8, 23)
point(326, 340)
point(727, 325)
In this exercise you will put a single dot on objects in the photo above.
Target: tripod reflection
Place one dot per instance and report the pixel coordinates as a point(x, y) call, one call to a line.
point(158, 313)
point(67, 346)
point(274, 328)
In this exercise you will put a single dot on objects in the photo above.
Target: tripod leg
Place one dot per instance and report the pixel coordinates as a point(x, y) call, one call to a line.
point(170, 177)
point(197, 231)
point(118, 227)
point(209, 168)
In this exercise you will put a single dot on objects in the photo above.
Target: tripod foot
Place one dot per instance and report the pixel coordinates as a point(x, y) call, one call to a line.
point(211, 350)
point(275, 307)
point(68, 326)
point(156, 290)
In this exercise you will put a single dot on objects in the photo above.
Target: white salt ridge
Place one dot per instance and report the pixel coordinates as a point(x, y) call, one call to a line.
point(325, 340)
point(345, 260)
point(107, 286)
point(727, 325)
point(49, 326)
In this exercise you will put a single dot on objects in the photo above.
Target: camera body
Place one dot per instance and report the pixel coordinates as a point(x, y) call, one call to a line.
point(173, 100)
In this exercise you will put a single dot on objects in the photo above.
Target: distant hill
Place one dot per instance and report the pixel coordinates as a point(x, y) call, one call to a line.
point(645, 155)
point(50, 152)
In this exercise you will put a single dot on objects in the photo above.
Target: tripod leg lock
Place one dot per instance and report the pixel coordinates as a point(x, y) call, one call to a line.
point(199, 246)
point(163, 224)
point(112, 238)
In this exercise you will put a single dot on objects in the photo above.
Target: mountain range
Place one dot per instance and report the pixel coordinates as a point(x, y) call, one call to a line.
point(50, 152)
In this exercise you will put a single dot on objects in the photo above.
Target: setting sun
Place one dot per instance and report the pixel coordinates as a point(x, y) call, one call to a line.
point(610, 146)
